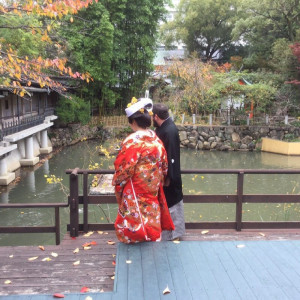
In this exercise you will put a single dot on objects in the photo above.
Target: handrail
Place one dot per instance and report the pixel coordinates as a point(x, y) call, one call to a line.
point(239, 198)
point(35, 229)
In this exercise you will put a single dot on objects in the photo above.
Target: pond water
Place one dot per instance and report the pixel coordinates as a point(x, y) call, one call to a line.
point(33, 187)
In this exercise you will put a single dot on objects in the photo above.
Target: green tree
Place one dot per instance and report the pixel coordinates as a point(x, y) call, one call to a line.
point(204, 26)
point(263, 23)
point(116, 42)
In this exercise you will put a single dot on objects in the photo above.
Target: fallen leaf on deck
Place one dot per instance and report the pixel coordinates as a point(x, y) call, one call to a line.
point(88, 298)
point(89, 244)
point(87, 248)
point(76, 263)
point(100, 232)
point(11, 256)
point(73, 238)
point(262, 234)
point(7, 282)
point(33, 258)
point(102, 291)
point(76, 250)
point(176, 242)
point(59, 296)
point(204, 231)
point(46, 259)
point(114, 263)
point(84, 289)
point(240, 246)
point(111, 242)
point(112, 277)
point(128, 261)
point(54, 254)
point(105, 232)
point(88, 234)
point(166, 290)
point(113, 255)
point(42, 248)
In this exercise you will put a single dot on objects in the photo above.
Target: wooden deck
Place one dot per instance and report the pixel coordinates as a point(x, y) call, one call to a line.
point(213, 265)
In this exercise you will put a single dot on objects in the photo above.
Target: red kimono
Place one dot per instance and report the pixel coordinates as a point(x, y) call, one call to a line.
point(140, 168)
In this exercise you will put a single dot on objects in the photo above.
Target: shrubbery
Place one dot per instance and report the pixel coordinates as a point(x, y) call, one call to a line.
point(74, 110)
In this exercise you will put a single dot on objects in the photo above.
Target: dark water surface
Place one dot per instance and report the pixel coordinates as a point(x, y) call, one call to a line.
point(33, 187)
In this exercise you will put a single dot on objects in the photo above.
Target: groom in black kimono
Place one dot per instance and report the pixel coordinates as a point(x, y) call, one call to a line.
point(167, 131)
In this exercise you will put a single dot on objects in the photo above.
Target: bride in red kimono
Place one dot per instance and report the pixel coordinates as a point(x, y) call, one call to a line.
point(140, 168)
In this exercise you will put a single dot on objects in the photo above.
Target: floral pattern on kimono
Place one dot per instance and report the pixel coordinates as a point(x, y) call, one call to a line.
point(140, 168)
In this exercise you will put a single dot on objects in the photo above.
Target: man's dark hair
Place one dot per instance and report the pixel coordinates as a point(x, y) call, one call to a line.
point(143, 120)
point(161, 110)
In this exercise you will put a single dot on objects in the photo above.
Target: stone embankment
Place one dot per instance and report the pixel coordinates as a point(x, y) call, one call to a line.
point(225, 138)
point(74, 133)
point(221, 138)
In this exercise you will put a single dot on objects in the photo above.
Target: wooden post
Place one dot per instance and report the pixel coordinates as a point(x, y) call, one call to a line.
point(57, 226)
point(85, 202)
point(239, 204)
point(74, 214)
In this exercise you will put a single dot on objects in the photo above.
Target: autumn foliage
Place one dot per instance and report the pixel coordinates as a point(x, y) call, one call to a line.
point(16, 72)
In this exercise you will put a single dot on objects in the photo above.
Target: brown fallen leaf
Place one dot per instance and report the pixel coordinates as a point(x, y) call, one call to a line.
point(7, 282)
point(42, 248)
point(76, 250)
point(166, 291)
point(33, 258)
point(111, 242)
point(114, 263)
point(76, 263)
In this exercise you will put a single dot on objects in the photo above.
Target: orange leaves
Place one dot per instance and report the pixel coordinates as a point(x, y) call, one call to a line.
point(89, 244)
point(84, 289)
point(58, 295)
point(14, 69)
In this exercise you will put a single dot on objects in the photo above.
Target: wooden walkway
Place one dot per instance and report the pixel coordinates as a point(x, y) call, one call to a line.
point(215, 265)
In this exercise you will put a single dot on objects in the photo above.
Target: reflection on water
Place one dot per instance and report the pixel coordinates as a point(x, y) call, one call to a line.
point(32, 187)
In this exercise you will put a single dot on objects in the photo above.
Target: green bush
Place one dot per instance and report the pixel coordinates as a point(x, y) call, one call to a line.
point(74, 110)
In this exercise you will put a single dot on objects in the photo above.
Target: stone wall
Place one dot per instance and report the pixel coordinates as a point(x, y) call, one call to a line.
point(232, 137)
point(73, 134)
point(195, 137)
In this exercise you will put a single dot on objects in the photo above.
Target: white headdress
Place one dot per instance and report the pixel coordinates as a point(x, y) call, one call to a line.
point(136, 105)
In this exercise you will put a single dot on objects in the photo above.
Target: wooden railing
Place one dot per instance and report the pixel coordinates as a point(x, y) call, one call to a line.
point(35, 229)
point(75, 199)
